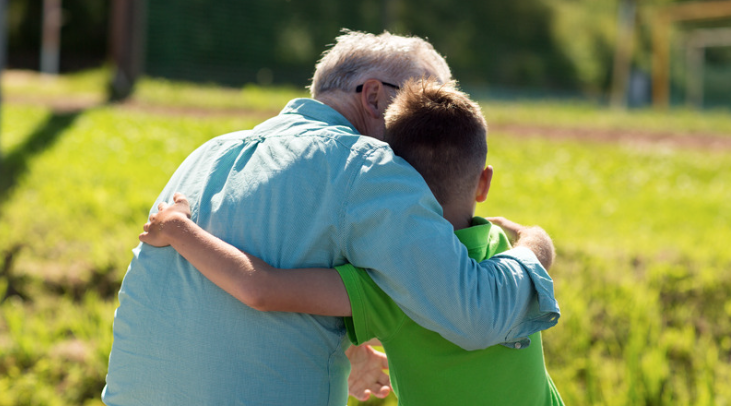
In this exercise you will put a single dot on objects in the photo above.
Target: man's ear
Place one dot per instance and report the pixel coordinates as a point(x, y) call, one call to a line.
point(372, 98)
point(483, 186)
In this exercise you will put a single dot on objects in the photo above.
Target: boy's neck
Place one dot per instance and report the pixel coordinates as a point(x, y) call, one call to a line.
point(460, 217)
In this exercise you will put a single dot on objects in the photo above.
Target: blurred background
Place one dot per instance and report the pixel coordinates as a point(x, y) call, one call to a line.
point(598, 49)
point(609, 127)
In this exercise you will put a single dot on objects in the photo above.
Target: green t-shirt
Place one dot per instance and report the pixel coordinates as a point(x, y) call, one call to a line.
point(425, 368)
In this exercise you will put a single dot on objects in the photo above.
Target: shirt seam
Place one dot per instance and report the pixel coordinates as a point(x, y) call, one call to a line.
point(354, 289)
point(364, 156)
point(395, 331)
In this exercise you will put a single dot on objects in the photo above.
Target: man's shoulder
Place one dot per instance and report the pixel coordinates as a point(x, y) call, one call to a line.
point(308, 118)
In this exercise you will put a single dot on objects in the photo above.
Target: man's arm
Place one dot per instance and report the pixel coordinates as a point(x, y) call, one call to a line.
point(249, 279)
point(424, 268)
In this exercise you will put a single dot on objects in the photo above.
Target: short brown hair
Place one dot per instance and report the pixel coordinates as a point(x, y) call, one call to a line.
point(441, 133)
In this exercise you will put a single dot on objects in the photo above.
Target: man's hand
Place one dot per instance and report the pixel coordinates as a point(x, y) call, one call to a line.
point(533, 238)
point(167, 216)
point(366, 375)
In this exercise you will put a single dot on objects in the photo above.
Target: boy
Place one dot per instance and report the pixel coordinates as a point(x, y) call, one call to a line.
point(442, 134)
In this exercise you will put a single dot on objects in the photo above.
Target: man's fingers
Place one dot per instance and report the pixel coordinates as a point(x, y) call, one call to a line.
point(367, 377)
point(358, 392)
point(497, 220)
point(510, 227)
point(366, 394)
point(382, 392)
point(382, 387)
point(504, 223)
point(363, 388)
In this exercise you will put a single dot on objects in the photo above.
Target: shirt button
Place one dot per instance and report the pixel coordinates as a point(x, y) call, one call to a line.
point(517, 346)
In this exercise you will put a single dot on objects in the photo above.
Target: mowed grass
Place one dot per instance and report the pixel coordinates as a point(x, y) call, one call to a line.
point(643, 274)
point(573, 114)
point(643, 269)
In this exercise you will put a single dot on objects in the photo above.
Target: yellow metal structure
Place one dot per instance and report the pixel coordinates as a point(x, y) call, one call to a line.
point(662, 23)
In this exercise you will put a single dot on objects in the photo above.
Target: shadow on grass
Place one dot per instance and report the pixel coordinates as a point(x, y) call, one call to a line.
point(15, 164)
point(12, 167)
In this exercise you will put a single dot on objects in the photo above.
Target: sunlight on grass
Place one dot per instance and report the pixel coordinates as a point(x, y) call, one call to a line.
point(615, 199)
point(105, 167)
point(18, 123)
point(163, 92)
point(89, 85)
point(642, 275)
point(588, 115)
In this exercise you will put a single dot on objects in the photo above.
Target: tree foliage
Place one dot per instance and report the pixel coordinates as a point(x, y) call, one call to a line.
point(560, 45)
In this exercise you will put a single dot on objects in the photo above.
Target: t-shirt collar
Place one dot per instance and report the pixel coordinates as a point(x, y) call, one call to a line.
point(475, 238)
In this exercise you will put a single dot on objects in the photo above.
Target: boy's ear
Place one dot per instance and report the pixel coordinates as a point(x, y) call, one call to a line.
point(483, 185)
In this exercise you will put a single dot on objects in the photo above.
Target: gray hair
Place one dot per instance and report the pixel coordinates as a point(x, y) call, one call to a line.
point(358, 56)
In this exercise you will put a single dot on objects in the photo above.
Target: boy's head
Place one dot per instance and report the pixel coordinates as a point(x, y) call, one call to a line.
point(443, 135)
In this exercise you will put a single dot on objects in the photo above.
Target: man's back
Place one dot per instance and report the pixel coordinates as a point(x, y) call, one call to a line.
point(179, 339)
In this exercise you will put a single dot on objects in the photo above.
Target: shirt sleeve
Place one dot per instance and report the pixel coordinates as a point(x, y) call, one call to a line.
point(393, 227)
point(374, 313)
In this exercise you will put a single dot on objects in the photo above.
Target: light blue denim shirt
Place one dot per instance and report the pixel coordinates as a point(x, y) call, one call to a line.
point(304, 189)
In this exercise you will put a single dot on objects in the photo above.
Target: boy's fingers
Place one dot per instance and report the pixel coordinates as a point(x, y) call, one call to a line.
point(180, 198)
point(162, 206)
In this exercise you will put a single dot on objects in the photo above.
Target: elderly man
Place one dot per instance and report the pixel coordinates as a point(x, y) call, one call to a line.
point(307, 189)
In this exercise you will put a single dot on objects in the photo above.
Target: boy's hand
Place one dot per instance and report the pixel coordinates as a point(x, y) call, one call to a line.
point(161, 224)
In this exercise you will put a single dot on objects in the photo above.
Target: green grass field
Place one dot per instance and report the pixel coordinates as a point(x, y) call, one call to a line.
point(643, 274)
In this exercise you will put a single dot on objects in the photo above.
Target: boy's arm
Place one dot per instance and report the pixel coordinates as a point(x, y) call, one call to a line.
point(263, 287)
point(249, 279)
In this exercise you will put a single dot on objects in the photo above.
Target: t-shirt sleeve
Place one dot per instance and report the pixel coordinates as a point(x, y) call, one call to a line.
point(374, 313)
point(393, 227)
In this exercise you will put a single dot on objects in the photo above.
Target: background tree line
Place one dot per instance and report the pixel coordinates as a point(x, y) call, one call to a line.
point(552, 45)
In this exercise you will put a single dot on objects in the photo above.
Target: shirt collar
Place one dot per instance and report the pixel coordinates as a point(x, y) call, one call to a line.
point(318, 111)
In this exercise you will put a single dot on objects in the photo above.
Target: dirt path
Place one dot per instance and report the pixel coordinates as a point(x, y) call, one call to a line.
point(597, 135)
point(644, 138)
point(625, 137)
